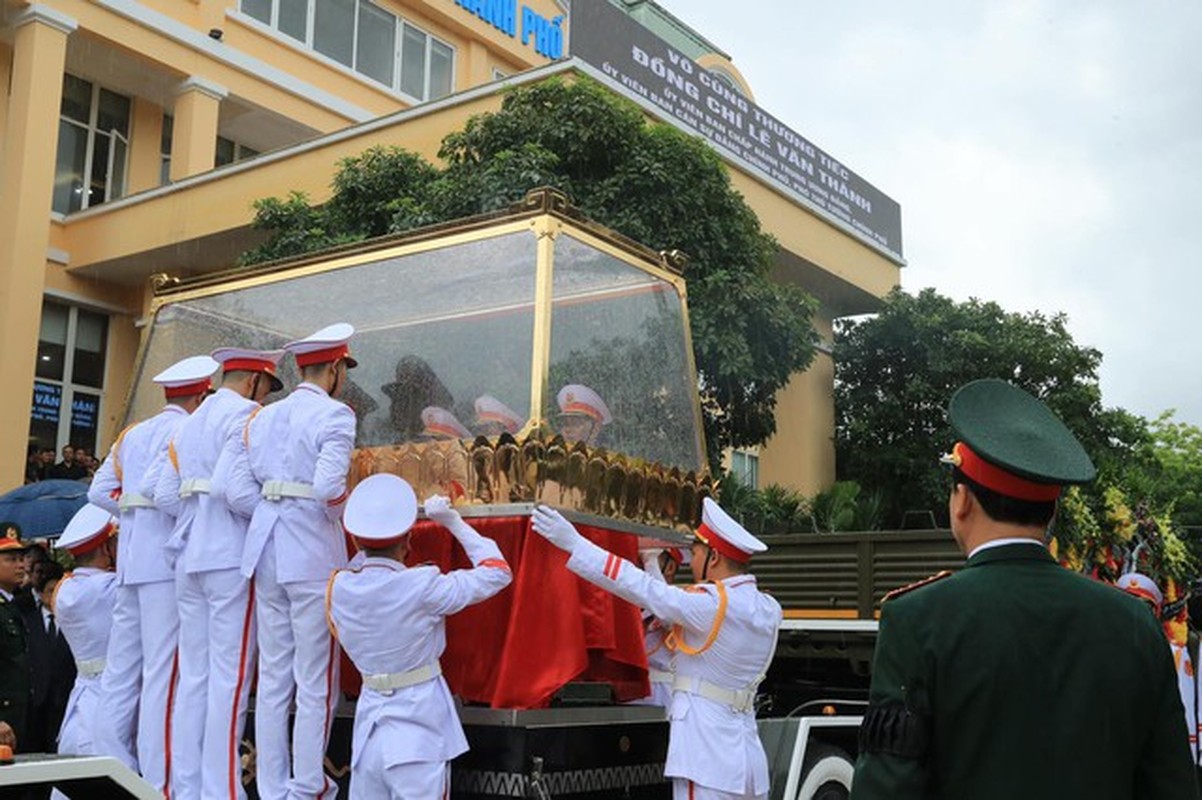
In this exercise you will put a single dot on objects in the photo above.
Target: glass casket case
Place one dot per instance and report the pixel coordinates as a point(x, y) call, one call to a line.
point(514, 307)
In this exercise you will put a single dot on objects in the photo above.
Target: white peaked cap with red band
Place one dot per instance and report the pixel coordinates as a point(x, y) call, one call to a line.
point(193, 375)
point(380, 510)
point(576, 398)
point(1141, 586)
point(443, 423)
point(490, 409)
point(239, 358)
point(91, 527)
point(331, 343)
point(720, 531)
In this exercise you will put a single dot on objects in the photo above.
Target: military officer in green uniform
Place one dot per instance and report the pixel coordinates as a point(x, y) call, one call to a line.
point(1015, 677)
point(14, 660)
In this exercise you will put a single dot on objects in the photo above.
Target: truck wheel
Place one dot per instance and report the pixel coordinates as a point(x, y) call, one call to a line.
point(826, 774)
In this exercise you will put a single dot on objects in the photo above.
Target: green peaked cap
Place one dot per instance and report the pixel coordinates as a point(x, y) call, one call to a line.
point(1014, 431)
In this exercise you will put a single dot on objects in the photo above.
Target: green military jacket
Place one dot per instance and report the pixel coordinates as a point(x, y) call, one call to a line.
point(1016, 678)
point(14, 668)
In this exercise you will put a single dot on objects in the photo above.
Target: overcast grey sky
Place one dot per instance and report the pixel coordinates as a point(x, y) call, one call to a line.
point(1046, 154)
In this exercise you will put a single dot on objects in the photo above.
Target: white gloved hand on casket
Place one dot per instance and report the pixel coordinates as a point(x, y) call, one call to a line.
point(551, 525)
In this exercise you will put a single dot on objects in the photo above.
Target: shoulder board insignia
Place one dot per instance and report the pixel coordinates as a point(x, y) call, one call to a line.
point(898, 592)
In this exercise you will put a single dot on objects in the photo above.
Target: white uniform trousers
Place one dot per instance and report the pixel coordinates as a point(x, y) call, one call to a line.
point(159, 620)
point(684, 789)
point(75, 737)
point(216, 656)
point(419, 780)
point(121, 683)
point(296, 655)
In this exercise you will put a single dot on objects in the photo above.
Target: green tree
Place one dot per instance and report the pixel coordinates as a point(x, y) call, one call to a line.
point(896, 371)
point(650, 182)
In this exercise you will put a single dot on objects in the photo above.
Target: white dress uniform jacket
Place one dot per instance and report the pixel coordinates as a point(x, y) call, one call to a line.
point(84, 612)
point(711, 743)
point(390, 621)
point(306, 439)
point(216, 647)
point(139, 667)
point(287, 471)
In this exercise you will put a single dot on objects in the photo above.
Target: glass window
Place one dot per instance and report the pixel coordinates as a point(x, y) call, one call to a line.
point(68, 392)
point(334, 30)
point(69, 167)
point(442, 63)
point(52, 341)
point(746, 468)
point(165, 150)
point(225, 152)
point(114, 113)
point(91, 340)
point(77, 99)
point(376, 54)
point(413, 62)
point(259, 9)
point(294, 19)
point(93, 142)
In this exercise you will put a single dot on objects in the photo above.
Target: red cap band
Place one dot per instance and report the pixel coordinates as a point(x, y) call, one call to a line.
point(188, 389)
point(710, 537)
point(581, 408)
point(323, 356)
point(95, 543)
point(248, 364)
point(999, 480)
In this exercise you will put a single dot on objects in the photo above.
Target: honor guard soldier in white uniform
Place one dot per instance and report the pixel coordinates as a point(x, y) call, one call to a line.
point(139, 672)
point(83, 609)
point(582, 414)
point(724, 636)
point(216, 645)
point(390, 620)
point(661, 564)
point(288, 474)
point(494, 417)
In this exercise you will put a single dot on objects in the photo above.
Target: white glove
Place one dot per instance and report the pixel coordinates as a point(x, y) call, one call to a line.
point(551, 525)
point(438, 509)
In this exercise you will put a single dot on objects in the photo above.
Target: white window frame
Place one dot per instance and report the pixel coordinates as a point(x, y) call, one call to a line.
point(747, 473)
point(90, 149)
point(398, 39)
point(68, 388)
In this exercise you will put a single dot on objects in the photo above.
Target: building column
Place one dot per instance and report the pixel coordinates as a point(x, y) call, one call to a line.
point(194, 136)
point(26, 191)
point(477, 70)
point(145, 146)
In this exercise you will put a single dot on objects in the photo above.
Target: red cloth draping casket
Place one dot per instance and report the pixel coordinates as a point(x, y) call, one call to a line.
point(547, 628)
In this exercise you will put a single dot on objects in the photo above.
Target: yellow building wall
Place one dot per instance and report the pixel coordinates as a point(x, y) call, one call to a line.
point(801, 454)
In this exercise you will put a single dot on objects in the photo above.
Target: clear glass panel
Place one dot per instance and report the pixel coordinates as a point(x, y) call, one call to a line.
point(376, 55)
point(165, 139)
point(77, 99)
point(114, 113)
point(413, 62)
point(85, 412)
point(52, 341)
point(259, 9)
point(439, 328)
point(620, 332)
point(334, 30)
point(442, 60)
point(245, 153)
point(43, 416)
point(91, 340)
point(68, 170)
point(225, 152)
point(294, 19)
point(98, 186)
point(117, 170)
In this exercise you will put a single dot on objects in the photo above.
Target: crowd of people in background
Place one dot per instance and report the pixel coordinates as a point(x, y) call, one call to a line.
point(77, 464)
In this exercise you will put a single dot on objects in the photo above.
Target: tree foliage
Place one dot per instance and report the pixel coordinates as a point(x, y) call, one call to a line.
point(650, 182)
point(896, 371)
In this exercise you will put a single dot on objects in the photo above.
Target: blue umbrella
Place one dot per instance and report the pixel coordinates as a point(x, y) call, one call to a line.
point(44, 508)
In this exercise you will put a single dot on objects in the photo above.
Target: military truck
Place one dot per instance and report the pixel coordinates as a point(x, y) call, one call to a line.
point(516, 306)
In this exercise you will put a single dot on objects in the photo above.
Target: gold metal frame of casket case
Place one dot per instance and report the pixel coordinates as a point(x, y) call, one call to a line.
point(590, 483)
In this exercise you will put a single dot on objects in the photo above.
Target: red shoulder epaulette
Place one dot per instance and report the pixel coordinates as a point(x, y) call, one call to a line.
point(899, 591)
